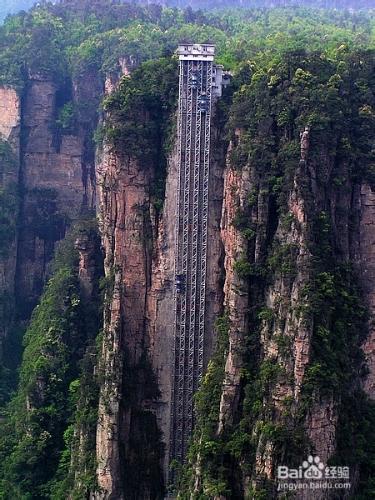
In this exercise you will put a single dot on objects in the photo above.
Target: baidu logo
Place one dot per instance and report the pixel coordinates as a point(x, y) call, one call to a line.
point(313, 468)
point(313, 474)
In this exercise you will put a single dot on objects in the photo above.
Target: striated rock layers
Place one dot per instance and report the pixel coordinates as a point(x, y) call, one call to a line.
point(10, 121)
point(10, 116)
point(366, 207)
point(287, 276)
point(47, 181)
point(138, 344)
point(55, 177)
point(291, 257)
point(125, 226)
point(280, 272)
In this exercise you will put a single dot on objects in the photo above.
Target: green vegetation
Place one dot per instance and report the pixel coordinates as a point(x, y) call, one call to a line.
point(332, 92)
point(9, 208)
point(243, 268)
point(140, 119)
point(143, 453)
point(340, 321)
point(282, 259)
point(137, 112)
point(66, 120)
point(11, 6)
point(56, 375)
point(8, 219)
point(8, 198)
point(206, 444)
point(44, 215)
point(75, 37)
point(292, 68)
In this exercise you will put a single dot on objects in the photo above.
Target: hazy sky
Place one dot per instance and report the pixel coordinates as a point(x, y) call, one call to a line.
point(10, 6)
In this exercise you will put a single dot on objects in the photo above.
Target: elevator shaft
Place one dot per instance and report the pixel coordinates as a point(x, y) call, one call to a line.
point(194, 122)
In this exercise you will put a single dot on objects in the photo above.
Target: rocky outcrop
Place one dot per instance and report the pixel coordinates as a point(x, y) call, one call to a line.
point(367, 265)
point(321, 425)
point(285, 339)
point(55, 177)
point(10, 117)
point(271, 263)
point(160, 305)
point(161, 309)
point(237, 186)
point(87, 266)
point(10, 121)
point(282, 323)
point(126, 235)
point(139, 247)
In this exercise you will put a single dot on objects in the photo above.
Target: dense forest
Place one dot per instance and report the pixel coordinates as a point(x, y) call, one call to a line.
point(14, 6)
point(88, 98)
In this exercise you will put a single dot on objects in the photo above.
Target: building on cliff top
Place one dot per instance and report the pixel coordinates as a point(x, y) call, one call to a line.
point(205, 52)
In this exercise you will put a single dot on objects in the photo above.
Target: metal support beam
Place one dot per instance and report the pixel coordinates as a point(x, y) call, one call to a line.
point(193, 127)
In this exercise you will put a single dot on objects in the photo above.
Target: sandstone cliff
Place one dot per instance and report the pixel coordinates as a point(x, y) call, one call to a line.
point(290, 279)
point(47, 177)
point(298, 299)
point(365, 199)
point(126, 230)
point(139, 317)
point(57, 177)
point(10, 121)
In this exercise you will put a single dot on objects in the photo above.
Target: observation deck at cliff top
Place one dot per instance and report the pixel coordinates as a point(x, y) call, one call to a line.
point(196, 52)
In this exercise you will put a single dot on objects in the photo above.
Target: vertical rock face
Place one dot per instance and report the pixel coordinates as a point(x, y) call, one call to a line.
point(161, 310)
point(275, 264)
point(87, 270)
point(139, 318)
point(161, 307)
point(10, 120)
point(237, 185)
point(126, 233)
point(215, 250)
point(285, 334)
point(280, 316)
point(54, 179)
point(367, 264)
point(268, 268)
point(10, 116)
point(47, 177)
point(88, 90)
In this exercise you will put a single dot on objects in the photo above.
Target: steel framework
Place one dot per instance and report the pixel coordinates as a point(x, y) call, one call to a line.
point(194, 121)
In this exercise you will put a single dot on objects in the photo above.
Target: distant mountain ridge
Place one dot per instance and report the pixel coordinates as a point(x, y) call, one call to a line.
point(13, 6)
point(325, 4)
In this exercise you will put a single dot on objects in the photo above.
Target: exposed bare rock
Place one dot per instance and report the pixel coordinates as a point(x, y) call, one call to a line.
point(124, 203)
point(237, 186)
point(125, 66)
point(321, 429)
point(10, 119)
point(55, 169)
point(160, 300)
point(321, 424)
point(290, 326)
point(87, 265)
point(367, 263)
point(161, 309)
point(10, 116)
point(215, 248)
point(139, 247)
point(305, 143)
